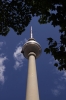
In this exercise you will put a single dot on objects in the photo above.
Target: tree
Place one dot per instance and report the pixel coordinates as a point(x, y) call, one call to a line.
point(57, 16)
point(17, 14)
point(14, 14)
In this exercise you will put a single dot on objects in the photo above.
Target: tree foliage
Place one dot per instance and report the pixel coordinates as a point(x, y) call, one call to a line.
point(14, 14)
point(17, 14)
point(58, 51)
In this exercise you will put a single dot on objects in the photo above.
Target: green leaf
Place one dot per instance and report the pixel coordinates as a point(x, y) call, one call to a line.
point(47, 50)
point(62, 48)
point(56, 64)
point(50, 40)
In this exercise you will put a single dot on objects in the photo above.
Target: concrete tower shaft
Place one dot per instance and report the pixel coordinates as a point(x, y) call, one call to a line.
point(32, 92)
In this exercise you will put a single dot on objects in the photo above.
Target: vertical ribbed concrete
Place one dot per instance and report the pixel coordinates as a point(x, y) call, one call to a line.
point(32, 84)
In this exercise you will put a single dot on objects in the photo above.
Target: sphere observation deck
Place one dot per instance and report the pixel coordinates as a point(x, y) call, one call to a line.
point(31, 46)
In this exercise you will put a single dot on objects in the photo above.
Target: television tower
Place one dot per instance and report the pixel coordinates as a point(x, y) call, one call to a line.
point(31, 50)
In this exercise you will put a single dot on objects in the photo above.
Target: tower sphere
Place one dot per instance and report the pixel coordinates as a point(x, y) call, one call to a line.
point(31, 46)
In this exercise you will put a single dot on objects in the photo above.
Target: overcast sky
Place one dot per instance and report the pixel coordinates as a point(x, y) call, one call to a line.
point(13, 65)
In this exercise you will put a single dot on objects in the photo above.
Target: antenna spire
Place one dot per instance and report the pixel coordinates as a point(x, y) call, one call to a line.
point(31, 33)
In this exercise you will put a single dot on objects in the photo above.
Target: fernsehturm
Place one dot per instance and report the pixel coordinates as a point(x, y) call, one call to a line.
point(31, 50)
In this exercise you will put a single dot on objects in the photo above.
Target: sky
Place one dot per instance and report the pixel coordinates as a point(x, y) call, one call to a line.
point(14, 66)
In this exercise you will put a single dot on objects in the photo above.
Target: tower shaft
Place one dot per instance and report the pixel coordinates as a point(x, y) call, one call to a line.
point(32, 84)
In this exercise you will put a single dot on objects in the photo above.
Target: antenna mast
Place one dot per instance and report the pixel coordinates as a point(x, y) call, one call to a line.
point(31, 33)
